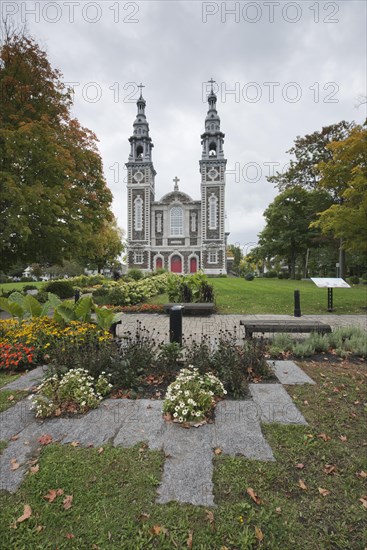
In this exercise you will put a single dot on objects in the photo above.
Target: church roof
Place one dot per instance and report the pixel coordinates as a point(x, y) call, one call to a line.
point(174, 196)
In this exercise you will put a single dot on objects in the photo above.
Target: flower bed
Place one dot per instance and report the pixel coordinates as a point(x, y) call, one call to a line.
point(15, 356)
point(74, 392)
point(42, 333)
point(192, 396)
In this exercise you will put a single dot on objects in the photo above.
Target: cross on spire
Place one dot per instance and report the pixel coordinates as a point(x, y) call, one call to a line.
point(141, 86)
point(176, 180)
point(211, 81)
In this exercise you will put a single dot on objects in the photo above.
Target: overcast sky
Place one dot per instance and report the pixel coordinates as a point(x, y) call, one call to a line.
point(283, 69)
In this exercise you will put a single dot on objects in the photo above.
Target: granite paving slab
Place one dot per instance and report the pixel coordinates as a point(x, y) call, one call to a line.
point(27, 381)
point(237, 430)
point(275, 405)
point(188, 469)
point(289, 373)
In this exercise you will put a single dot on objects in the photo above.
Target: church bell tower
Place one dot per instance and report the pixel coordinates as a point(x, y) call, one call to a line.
point(212, 170)
point(140, 190)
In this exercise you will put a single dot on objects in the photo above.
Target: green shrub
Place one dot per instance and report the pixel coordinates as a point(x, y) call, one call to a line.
point(364, 276)
point(271, 274)
point(281, 343)
point(62, 289)
point(249, 277)
point(27, 280)
point(29, 287)
point(320, 342)
point(135, 273)
point(354, 280)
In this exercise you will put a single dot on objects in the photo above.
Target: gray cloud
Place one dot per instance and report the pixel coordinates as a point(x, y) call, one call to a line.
point(173, 52)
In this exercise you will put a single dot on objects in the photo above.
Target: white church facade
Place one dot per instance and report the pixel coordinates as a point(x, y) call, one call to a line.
point(176, 232)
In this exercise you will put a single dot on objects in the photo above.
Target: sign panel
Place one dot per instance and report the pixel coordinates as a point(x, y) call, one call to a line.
point(329, 282)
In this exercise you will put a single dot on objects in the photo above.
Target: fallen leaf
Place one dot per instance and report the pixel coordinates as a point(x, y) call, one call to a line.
point(218, 451)
point(143, 516)
point(67, 502)
point(324, 437)
point(14, 437)
point(157, 530)
point(330, 469)
point(278, 510)
point(74, 443)
point(323, 492)
point(259, 534)
point(189, 540)
point(210, 518)
point(11, 397)
point(343, 438)
point(45, 439)
point(70, 536)
point(253, 495)
point(59, 492)
point(34, 469)
point(305, 402)
point(300, 466)
point(14, 464)
point(40, 528)
point(100, 450)
point(363, 500)
point(27, 512)
point(51, 495)
point(362, 474)
point(302, 484)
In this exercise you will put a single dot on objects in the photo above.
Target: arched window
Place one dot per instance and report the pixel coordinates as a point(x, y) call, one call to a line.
point(176, 220)
point(213, 212)
point(138, 214)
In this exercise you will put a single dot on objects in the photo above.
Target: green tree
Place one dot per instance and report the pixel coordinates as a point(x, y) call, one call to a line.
point(106, 246)
point(53, 194)
point(288, 217)
point(345, 177)
point(235, 251)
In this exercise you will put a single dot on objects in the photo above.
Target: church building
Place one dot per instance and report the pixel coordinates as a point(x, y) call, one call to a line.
point(176, 232)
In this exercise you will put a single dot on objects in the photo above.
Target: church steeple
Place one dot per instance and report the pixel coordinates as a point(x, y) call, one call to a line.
point(141, 143)
point(213, 138)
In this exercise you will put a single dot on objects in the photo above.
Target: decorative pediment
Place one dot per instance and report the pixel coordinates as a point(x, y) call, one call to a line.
point(176, 196)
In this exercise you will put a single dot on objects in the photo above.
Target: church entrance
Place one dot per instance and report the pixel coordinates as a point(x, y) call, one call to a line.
point(193, 265)
point(176, 264)
point(158, 263)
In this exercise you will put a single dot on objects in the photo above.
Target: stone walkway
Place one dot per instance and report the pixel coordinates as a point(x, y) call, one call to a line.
point(188, 468)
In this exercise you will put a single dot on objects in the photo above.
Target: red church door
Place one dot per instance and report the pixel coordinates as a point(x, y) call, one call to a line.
point(193, 265)
point(176, 264)
point(158, 263)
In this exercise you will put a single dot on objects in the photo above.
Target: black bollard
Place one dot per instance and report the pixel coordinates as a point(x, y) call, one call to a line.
point(297, 304)
point(175, 324)
point(76, 295)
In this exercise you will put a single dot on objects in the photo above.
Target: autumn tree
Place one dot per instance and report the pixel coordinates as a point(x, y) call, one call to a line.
point(53, 194)
point(345, 176)
point(307, 153)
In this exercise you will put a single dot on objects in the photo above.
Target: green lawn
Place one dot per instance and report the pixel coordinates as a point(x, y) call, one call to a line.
point(114, 490)
point(5, 287)
point(274, 296)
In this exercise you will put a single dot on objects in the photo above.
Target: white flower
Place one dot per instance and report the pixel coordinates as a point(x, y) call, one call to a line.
point(175, 415)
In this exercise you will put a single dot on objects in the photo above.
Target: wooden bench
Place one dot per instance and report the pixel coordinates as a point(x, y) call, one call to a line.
point(291, 325)
point(192, 308)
